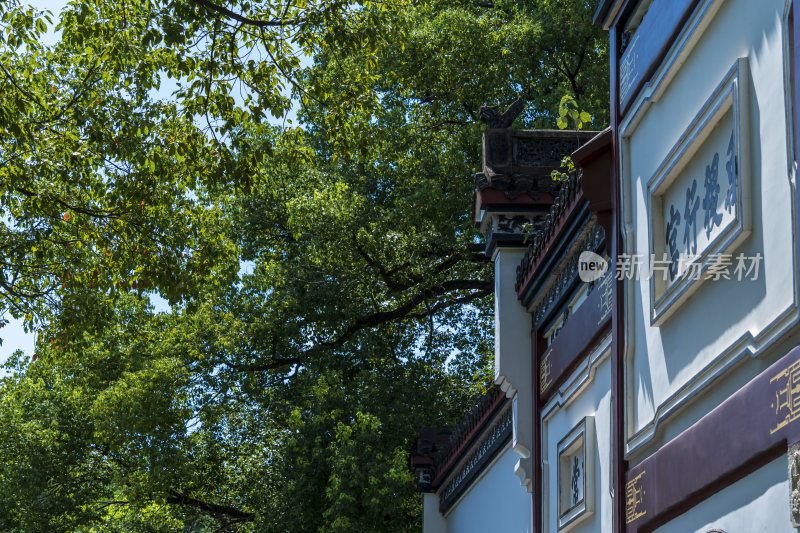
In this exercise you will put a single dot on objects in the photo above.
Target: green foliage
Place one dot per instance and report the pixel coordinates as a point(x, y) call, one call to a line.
point(568, 110)
point(285, 395)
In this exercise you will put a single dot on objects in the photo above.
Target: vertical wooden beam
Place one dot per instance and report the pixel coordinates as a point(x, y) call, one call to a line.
point(794, 67)
point(617, 335)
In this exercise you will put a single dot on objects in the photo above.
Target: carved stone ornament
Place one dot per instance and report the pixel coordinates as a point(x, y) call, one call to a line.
point(490, 115)
point(515, 184)
point(437, 448)
point(516, 225)
point(517, 161)
point(482, 181)
point(543, 152)
point(794, 483)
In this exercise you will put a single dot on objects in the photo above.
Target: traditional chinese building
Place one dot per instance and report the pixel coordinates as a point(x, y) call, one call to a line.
point(646, 359)
point(544, 316)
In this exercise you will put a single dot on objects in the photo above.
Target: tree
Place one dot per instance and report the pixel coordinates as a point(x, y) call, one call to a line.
point(97, 177)
point(286, 398)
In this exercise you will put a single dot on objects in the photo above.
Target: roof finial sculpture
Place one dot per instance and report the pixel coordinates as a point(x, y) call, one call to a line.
point(490, 116)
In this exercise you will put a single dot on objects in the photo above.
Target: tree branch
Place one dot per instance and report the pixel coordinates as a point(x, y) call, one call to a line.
point(22, 91)
point(450, 303)
point(479, 289)
point(385, 275)
point(224, 513)
point(404, 310)
point(244, 20)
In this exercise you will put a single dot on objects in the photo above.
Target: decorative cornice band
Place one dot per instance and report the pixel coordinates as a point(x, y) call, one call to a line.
point(592, 239)
point(470, 425)
point(485, 450)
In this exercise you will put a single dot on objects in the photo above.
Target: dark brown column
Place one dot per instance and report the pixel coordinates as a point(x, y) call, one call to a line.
point(795, 78)
point(614, 242)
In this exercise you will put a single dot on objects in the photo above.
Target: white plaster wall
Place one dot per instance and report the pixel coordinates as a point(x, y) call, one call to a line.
point(724, 320)
point(512, 355)
point(496, 502)
point(586, 392)
point(432, 519)
point(512, 325)
point(758, 503)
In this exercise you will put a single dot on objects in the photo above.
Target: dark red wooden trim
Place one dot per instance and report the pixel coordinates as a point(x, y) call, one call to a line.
point(578, 336)
point(497, 197)
point(595, 160)
point(596, 146)
point(614, 245)
point(492, 199)
point(795, 69)
point(748, 429)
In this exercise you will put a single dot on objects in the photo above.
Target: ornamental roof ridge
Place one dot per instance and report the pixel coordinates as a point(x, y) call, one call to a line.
point(444, 454)
point(521, 161)
point(565, 197)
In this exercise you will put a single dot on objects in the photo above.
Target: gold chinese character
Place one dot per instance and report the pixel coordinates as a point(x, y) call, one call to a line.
point(544, 372)
point(787, 397)
point(606, 290)
point(634, 497)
